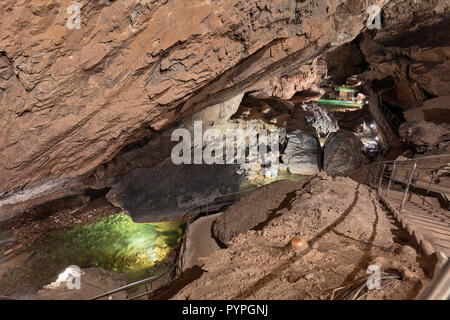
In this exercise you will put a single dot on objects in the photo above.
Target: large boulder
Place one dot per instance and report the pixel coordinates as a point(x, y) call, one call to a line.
point(435, 110)
point(302, 153)
point(253, 210)
point(169, 191)
point(342, 153)
point(425, 136)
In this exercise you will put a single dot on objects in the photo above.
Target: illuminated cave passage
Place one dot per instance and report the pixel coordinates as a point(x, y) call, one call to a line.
point(96, 123)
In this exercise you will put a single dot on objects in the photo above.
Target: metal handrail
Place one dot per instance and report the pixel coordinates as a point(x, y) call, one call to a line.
point(416, 159)
point(410, 180)
point(439, 289)
point(395, 121)
point(134, 284)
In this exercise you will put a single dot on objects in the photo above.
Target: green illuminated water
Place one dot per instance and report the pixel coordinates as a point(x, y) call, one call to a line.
point(114, 243)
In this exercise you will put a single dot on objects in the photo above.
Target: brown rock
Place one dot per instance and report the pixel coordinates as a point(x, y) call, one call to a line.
point(299, 244)
point(7, 252)
point(293, 278)
point(425, 136)
point(408, 251)
point(407, 274)
point(412, 63)
point(233, 222)
point(436, 110)
point(286, 85)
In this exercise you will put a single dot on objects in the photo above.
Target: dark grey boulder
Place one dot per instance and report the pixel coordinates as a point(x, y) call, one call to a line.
point(168, 192)
point(342, 153)
point(302, 154)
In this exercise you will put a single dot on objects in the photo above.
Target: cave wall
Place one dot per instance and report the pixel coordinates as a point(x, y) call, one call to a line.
point(71, 100)
point(414, 63)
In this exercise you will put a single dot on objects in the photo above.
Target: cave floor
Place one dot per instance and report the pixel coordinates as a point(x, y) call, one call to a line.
point(347, 230)
point(346, 227)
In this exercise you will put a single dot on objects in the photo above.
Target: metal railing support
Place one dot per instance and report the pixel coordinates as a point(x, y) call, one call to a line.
point(429, 187)
point(376, 174)
point(381, 178)
point(439, 288)
point(407, 186)
point(410, 181)
point(431, 182)
point(394, 169)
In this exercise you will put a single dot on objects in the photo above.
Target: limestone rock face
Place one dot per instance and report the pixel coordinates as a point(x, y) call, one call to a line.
point(342, 153)
point(415, 61)
point(168, 192)
point(435, 110)
point(72, 100)
point(268, 198)
point(284, 86)
point(426, 136)
point(302, 154)
point(345, 61)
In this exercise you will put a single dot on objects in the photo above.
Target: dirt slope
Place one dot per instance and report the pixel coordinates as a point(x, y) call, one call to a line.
point(347, 230)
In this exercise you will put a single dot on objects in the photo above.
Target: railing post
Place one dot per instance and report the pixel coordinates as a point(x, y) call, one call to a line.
point(407, 186)
point(369, 178)
point(429, 187)
point(376, 173)
point(381, 178)
point(146, 290)
point(417, 178)
point(392, 178)
point(431, 182)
